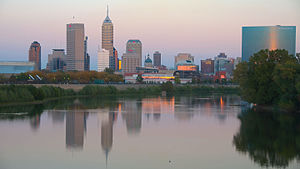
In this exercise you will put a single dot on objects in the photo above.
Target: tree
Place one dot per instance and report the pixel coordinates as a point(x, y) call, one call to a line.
point(270, 78)
point(139, 78)
point(167, 87)
point(109, 70)
point(177, 80)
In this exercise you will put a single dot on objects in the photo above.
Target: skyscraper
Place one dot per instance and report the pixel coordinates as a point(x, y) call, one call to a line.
point(75, 47)
point(86, 56)
point(35, 55)
point(157, 59)
point(267, 37)
point(108, 41)
point(103, 60)
point(133, 56)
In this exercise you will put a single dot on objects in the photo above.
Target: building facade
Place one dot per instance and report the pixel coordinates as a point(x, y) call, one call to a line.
point(183, 57)
point(130, 61)
point(108, 41)
point(86, 56)
point(133, 56)
point(75, 47)
point(207, 66)
point(157, 59)
point(103, 60)
point(135, 46)
point(16, 67)
point(57, 60)
point(35, 54)
point(257, 38)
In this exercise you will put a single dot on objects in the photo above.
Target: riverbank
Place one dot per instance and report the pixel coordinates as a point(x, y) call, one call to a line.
point(29, 94)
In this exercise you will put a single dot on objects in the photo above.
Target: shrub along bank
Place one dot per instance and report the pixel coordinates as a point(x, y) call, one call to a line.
point(29, 93)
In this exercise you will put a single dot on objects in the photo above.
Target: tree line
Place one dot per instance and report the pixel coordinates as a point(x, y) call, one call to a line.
point(83, 77)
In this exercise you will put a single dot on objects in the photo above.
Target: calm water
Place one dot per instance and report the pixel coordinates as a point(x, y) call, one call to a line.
point(146, 133)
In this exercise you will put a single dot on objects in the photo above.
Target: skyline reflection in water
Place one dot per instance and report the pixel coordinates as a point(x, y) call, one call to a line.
point(160, 132)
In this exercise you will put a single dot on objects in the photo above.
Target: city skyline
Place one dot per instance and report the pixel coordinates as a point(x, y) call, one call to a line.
point(205, 36)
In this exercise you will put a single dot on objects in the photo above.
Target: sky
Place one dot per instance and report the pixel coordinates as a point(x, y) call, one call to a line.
point(203, 28)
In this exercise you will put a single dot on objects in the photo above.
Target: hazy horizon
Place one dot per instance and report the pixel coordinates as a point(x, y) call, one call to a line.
point(203, 28)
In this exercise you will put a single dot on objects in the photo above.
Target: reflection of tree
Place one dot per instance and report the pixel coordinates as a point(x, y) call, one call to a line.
point(269, 138)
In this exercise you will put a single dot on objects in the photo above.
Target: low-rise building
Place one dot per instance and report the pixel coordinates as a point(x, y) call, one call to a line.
point(16, 67)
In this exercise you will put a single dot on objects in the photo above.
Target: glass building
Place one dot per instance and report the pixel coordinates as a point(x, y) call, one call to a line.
point(16, 67)
point(255, 39)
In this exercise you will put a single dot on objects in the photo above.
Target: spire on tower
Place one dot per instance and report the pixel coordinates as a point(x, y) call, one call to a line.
point(107, 10)
point(107, 19)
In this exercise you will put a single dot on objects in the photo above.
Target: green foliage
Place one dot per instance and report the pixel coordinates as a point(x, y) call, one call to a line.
point(139, 78)
point(168, 87)
point(27, 93)
point(94, 90)
point(270, 78)
point(177, 80)
point(270, 139)
point(109, 70)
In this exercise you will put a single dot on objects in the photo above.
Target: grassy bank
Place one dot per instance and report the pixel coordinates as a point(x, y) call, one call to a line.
point(12, 94)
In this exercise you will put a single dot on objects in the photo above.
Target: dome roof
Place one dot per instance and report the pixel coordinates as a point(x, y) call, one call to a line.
point(148, 60)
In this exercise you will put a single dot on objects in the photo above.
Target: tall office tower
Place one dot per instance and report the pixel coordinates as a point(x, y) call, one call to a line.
point(183, 57)
point(57, 60)
point(267, 37)
point(207, 66)
point(75, 47)
point(103, 60)
point(35, 55)
point(135, 46)
point(108, 40)
point(157, 59)
point(133, 56)
point(86, 56)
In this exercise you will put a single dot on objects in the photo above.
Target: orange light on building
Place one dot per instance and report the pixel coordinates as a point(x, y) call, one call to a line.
point(187, 68)
point(273, 39)
point(223, 77)
point(120, 64)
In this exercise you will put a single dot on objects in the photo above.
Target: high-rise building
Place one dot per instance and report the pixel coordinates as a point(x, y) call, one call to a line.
point(103, 60)
point(183, 57)
point(133, 56)
point(86, 56)
point(108, 41)
point(35, 55)
point(157, 59)
point(267, 37)
point(114, 63)
point(207, 66)
point(135, 46)
point(57, 60)
point(75, 47)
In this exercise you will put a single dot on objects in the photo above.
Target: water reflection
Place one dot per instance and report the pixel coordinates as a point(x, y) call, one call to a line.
point(269, 138)
point(132, 114)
